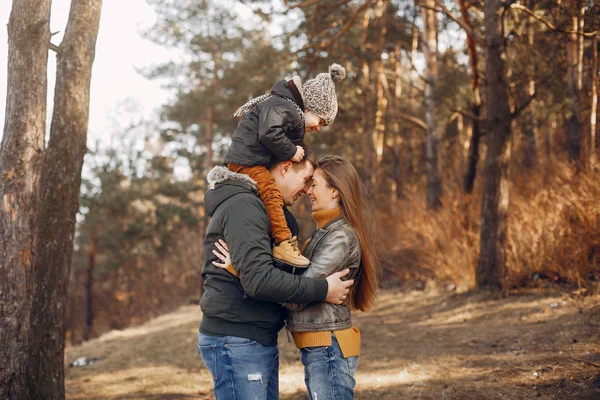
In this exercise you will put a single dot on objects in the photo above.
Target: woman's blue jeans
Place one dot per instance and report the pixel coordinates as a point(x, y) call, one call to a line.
point(242, 369)
point(327, 374)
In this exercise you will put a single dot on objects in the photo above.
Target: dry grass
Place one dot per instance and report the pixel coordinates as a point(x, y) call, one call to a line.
point(556, 231)
point(416, 345)
point(553, 232)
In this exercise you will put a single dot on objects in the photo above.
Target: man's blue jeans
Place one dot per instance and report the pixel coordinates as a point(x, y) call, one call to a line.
point(327, 374)
point(242, 369)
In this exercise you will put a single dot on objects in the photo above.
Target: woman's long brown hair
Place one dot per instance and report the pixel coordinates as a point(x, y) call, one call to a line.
point(342, 176)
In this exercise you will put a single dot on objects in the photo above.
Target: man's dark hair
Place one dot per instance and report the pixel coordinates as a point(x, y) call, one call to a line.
point(309, 155)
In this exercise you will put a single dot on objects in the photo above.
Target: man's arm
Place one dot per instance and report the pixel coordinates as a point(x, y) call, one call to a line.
point(245, 227)
point(331, 255)
point(271, 133)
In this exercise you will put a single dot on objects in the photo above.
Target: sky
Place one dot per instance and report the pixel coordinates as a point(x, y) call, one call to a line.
point(119, 51)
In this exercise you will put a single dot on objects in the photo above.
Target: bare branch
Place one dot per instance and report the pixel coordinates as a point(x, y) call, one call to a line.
point(459, 21)
point(468, 115)
point(417, 121)
point(53, 47)
point(519, 7)
point(523, 106)
point(518, 110)
point(324, 45)
point(452, 118)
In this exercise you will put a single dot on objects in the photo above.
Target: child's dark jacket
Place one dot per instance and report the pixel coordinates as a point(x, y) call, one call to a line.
point(270, 131)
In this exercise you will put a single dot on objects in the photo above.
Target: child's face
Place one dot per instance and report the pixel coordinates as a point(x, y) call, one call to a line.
point(313, 122)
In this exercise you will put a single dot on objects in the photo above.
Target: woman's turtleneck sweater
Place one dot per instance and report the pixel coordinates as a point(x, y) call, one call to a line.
point(325, 216)
point(348, 339)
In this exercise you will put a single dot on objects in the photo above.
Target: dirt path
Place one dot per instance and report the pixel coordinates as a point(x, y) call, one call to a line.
point(416, 345)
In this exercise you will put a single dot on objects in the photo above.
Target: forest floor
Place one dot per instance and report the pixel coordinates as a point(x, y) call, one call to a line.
point(428, 344)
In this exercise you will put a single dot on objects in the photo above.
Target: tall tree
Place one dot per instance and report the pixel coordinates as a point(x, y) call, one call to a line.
point(573, 135)
point(397, 170)
point(381, 94)
point(473, 157)
point(20, 167)
point(89, 284)
point(59, 190)
point(434, 127)
point(594, 111)
point(491, 263)
point(530, 125)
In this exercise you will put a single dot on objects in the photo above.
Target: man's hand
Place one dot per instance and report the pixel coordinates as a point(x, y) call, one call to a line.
point(299, 154)
point(338, 289)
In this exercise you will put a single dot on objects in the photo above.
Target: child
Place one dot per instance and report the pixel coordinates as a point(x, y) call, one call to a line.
point(271, 128)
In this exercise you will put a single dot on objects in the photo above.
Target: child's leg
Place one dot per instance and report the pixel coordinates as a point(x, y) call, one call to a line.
point(271, 196)
point(286, 249)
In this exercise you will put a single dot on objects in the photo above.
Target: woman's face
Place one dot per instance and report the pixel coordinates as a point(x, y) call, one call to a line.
point(321, 195)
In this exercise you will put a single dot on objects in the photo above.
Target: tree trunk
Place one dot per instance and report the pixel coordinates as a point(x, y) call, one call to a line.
point(432, 117)
point(491, 263)
point(382, 89)
point(380, 125)
point(594, 111)
point(530, 128)
point(397, 142)
point(412, 94)
point(89, 287)
point(573, 138)
point(580, 28)
point(61, 181)
point(21, 155)
point(368, 149)
point(473, 157)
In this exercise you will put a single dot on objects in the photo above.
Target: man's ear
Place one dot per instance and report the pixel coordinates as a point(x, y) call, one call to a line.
point(335, 194)
point(285, 167)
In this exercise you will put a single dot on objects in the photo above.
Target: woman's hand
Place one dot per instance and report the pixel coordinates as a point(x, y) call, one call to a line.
point(222, 253)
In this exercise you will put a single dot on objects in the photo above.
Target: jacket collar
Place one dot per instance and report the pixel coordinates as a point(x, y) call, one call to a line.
point(220, 174)
point(334, 223)
point(291, 89)
point(295, 86)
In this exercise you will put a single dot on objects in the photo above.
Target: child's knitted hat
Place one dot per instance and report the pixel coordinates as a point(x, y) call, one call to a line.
point(319, 93)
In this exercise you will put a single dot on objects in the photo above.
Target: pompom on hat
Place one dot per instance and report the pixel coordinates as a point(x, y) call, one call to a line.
point(319, 93)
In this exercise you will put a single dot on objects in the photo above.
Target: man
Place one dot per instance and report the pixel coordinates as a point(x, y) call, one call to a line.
point(242, 316)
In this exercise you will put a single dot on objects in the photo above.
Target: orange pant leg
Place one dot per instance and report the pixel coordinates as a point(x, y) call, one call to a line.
point(270, 195)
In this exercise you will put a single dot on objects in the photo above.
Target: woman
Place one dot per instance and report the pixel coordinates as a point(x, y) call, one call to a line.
point(323, 332)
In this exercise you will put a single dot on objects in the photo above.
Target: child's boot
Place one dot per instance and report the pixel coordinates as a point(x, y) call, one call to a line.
point(288, 252)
